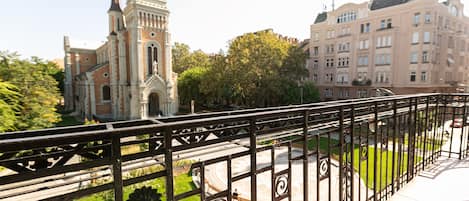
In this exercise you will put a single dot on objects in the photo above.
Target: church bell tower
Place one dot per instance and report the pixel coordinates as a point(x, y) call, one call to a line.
point(153, 83)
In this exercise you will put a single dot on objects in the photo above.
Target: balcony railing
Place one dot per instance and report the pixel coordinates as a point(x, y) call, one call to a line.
point(361, 82)
point(364, 149)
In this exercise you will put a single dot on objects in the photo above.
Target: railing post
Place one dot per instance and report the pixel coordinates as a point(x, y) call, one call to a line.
point(341, 153)
point(253, 154)
point(117, 168)
point(425, 132)
point(375, 156)
point(410, 143)
point(352, 151)
point(305, 154)
point(462, 129)
point(395, 131)
point(435, 126)
point(168, 160)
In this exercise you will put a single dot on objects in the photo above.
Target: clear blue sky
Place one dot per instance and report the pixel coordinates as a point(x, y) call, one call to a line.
point(36, 28)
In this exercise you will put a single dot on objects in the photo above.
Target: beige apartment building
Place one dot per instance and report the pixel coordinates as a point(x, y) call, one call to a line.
point(407, 46)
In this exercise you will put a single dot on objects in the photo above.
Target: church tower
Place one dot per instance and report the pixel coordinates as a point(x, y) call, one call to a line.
point(117, 61)
point(152, 81)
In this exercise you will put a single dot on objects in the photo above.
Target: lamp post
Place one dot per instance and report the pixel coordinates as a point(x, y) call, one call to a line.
point(300, 85)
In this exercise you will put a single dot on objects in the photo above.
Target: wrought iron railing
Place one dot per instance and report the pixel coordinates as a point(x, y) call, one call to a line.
point(364, 149)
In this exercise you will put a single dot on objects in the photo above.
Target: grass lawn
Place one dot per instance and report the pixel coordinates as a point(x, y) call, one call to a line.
point(183, 183)
point(384, 163)
point(419, 144)
point(68, 121)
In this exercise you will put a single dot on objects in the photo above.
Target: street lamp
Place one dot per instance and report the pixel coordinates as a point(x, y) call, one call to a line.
point(300, 85)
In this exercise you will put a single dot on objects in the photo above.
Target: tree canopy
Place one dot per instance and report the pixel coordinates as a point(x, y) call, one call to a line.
point(259, 70)
point(35, 90)
point(184, 59)
point(9, 106)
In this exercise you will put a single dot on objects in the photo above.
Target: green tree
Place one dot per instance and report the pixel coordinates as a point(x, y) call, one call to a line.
point(189, 84)
point(255, 60)
point(37, 87)
point(9, 106)
point(181, 54)
point(184, 59)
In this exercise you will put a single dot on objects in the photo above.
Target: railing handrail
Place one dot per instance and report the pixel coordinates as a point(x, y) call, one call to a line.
point(15, 143)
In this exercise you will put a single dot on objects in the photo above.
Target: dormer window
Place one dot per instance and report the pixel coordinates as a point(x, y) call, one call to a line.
point(347, 17)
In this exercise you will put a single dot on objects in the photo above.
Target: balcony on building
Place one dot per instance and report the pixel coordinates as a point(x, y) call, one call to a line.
point(398, 148)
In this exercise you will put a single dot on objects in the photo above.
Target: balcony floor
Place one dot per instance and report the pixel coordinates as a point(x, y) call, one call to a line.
point(447, 180)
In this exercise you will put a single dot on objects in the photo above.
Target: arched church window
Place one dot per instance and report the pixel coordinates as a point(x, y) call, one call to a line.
point(152, 56)
point(106, 93)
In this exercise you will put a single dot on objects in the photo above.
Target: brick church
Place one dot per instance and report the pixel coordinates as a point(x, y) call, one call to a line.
point(129, 76)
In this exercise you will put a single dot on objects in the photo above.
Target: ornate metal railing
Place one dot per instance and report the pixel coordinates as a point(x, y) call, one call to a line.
point(364, 149)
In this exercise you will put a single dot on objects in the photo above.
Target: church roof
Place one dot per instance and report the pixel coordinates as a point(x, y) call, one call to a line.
point(93, 69)
point(87, 45)
point(115, 6)
point(321, 17)
point(98, 66)
point(379, 4)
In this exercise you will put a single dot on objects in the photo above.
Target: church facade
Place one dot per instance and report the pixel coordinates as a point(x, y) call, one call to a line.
point(130, 75)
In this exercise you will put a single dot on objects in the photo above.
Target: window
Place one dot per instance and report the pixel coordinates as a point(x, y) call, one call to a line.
point(428, 18)
point(426, 37)
point(362, 76)
point(383, 24)
point(363, 61)
point(450, 42)
point(413, 76)
point(423, 76)
point(389, 24)
point(106, 93)
point(328, 92)
point(315, 64)
point(415, 38)
point(315, 77)
point(425, 57)
point(383, 59)
point(364, 44)
point(330, 49)
point(347, 17)
point(362, 93)
point(385, 41)
point(365, 28)
point(342, 78)
point(416, 18)
point(316, 36)
point(343, 62)
point(152, 57)
point(414, 57)
point(315, 51)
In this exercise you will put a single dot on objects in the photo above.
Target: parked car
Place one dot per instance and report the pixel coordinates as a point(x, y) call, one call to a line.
point(457, 123)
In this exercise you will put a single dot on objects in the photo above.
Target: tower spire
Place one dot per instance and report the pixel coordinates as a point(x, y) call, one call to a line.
point(115, 6)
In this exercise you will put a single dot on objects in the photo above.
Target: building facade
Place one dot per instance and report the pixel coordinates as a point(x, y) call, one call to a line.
point(130, 75)
point(407, 46)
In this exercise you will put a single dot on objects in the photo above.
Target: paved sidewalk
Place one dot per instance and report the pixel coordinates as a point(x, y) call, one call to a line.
point(447, 180)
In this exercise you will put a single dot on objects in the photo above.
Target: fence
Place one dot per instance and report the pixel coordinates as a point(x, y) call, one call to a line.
point(364, 149)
